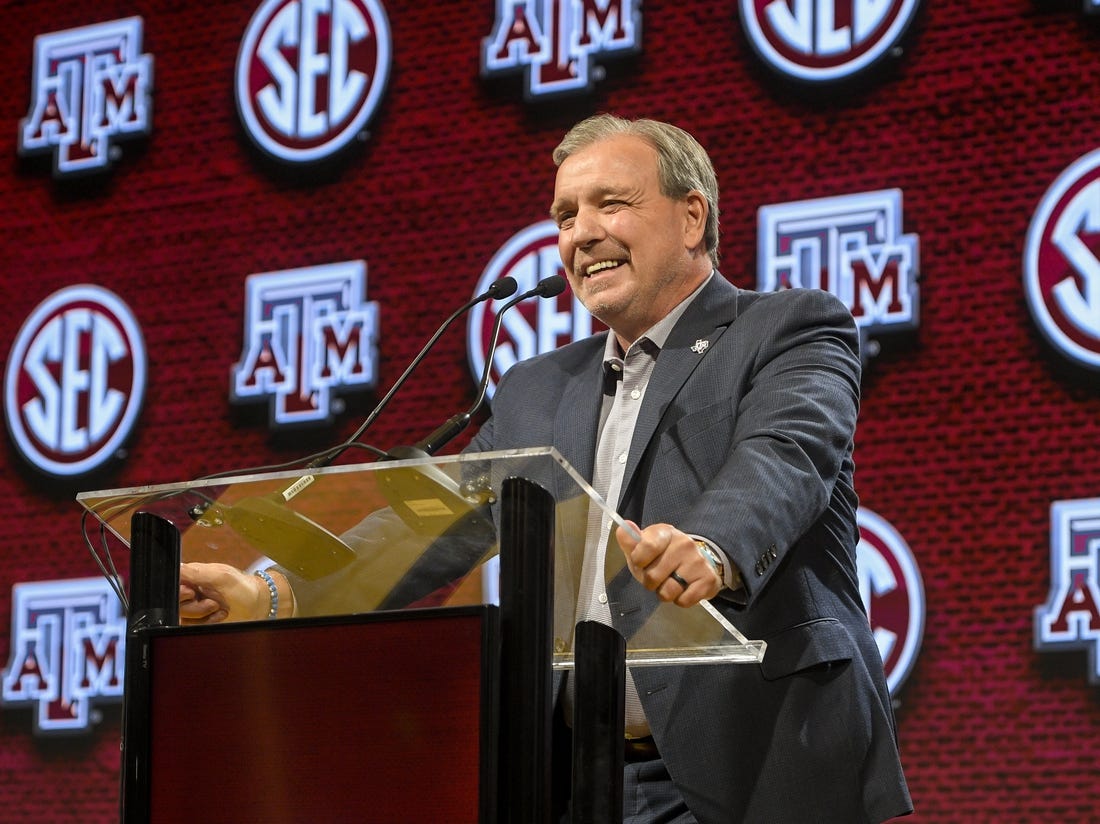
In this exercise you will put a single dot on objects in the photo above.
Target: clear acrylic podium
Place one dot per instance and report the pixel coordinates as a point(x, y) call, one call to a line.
point(424, 546)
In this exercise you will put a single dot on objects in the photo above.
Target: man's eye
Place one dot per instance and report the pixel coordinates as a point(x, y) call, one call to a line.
point(565, 221)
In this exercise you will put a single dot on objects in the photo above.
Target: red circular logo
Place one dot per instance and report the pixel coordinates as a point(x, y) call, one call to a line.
point(1062, 262)
point(891, 587)
point(311, 75)
point(535, 325)
point(75, 381)
point(824, 40)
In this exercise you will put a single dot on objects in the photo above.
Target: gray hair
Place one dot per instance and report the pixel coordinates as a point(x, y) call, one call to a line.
point(682, 164)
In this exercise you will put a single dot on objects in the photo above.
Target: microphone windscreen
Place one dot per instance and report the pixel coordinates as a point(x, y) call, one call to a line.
point(503, 288)
point(551, 287)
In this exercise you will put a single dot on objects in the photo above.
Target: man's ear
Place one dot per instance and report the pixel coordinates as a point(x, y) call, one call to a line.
point(695, 219)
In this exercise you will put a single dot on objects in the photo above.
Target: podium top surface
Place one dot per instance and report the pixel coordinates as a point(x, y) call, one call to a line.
point(418, 533)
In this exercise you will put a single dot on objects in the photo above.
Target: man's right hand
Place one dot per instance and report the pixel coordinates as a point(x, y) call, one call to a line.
point(212, 593)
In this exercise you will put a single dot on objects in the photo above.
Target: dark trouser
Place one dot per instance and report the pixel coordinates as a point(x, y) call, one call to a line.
point(649, 796)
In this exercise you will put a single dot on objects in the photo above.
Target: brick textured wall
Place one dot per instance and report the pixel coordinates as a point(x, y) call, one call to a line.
point(969, 428)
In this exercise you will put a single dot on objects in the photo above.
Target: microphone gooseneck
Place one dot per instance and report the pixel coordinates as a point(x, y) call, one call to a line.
point(290, 538)
point(547, 288)
point(503, 288)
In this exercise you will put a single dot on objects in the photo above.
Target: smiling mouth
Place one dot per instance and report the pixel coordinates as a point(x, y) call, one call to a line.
point(602, 266)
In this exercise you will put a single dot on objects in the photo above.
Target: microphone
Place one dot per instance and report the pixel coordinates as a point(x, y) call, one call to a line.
point(426, 498)
point(549, 287)
point(498, 290)
point(290, 538)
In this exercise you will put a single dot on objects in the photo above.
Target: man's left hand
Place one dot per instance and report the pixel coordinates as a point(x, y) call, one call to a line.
point(668, 562)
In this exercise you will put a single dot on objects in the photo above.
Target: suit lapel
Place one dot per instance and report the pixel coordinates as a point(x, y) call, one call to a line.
point(578, 417)
point(691, 340)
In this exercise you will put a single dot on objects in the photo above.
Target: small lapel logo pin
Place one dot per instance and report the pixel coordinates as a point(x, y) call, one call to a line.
point(700, 346)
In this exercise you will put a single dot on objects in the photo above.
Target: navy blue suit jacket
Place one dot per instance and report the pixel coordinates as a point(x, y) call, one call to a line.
point(749, 443)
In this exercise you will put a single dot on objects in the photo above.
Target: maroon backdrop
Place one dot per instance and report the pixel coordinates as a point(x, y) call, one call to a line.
point(968, 430)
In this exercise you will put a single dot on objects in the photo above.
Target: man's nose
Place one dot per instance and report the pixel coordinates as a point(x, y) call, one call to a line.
point(587, 228)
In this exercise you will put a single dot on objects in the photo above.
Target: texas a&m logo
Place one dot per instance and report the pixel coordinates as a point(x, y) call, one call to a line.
point(68, 645)
point(819, 41)
point(554, 42)
point(852, 246)
point(309, 333)
point(535, 325)
point(893, 593)
point(88, 85)
point(1070, 619)
point(311, 74)
point(75, 381)
point(1062, 263)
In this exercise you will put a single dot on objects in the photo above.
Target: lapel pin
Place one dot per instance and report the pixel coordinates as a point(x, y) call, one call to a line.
point(700, 346)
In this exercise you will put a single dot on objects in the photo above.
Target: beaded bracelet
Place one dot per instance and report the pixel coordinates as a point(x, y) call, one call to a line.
point(274, 590)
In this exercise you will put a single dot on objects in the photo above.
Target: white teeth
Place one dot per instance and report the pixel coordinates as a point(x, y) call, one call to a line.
point(599, 267)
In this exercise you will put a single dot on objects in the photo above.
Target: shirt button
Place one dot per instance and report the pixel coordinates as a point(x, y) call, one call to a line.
point(635, 394)
point(622, 458)
point(602, 599)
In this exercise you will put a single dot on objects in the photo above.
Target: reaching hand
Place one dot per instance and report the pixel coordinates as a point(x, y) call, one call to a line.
point(211, 593)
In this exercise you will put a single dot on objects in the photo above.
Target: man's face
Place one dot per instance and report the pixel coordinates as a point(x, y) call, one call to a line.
point(630, 253)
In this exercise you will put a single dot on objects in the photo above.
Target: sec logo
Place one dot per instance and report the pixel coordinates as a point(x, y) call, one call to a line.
point(310, 75)
point(1062, 262)
point(825, 40)
point(75, 381)
point(893, 594)
point(533, 326)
